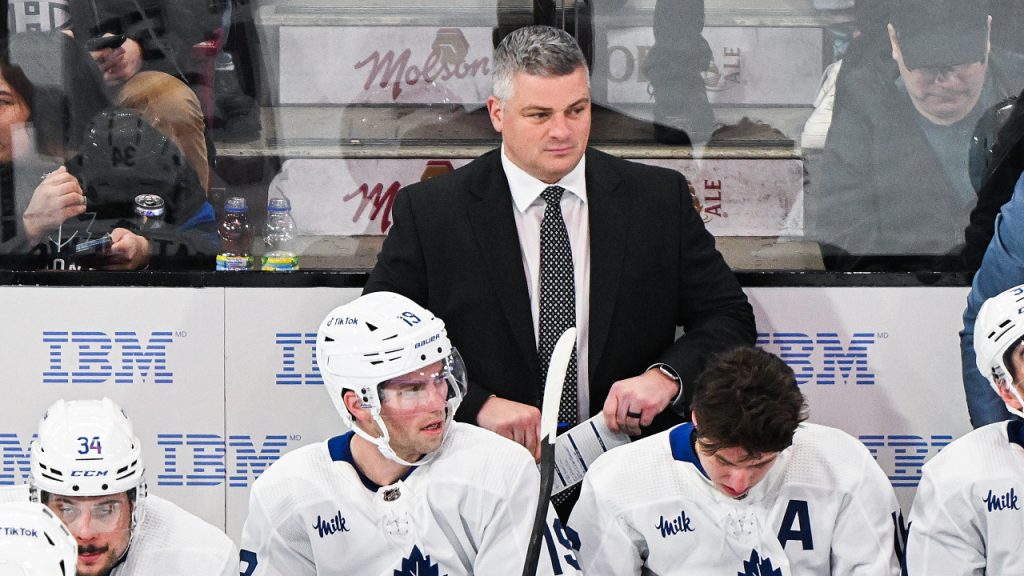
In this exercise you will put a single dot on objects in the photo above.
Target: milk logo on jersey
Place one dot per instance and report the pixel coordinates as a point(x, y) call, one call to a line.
point(332, 525)
point(298, 358)
point(757, 566)
point(999, 501)
point(825, 358)
point(418, 565)
point(119, 357)
point(210, 460)
point(678, 524)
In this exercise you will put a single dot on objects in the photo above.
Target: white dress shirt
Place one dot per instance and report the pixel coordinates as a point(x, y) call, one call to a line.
point(529, 211)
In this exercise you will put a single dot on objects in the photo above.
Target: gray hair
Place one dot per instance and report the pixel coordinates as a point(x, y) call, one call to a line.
point(538, 51)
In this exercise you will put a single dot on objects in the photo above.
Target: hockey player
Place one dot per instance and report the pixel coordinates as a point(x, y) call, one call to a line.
point(33, 542)
point(744, 489)
point(407, 491)
point(967, 516)
point(87, 466)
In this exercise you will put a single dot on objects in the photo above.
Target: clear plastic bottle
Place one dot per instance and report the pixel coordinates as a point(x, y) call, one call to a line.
point(279, 237)
point(236, 236)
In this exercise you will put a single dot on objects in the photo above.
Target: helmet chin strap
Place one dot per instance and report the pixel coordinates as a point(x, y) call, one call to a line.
point(383, 442)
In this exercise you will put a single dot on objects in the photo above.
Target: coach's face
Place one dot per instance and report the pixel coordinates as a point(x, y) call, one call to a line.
point(545, 124)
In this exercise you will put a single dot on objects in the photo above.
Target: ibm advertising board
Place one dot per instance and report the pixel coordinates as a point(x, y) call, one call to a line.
point(748, 197)
point(239, 387)
point(156, 351)
point(880, 363)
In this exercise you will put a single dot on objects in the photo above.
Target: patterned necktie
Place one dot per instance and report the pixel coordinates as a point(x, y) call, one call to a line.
point(557, 296)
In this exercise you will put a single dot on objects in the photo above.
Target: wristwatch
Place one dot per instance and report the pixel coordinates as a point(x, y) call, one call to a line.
point(668, 371)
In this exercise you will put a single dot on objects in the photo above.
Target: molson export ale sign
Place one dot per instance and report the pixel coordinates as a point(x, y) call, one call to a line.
point(385, 65)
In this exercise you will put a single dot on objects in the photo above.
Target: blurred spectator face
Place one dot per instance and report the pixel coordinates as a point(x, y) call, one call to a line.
point(14, 113)
point(942, 58)
point(545, 124)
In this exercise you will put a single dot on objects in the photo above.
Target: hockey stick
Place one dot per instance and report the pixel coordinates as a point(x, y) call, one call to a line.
point(557, 368)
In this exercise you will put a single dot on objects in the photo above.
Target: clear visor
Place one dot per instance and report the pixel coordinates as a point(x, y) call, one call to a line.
point(101, 516)
point(425, 390)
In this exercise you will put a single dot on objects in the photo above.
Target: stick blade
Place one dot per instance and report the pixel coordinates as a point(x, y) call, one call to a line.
point(554, 382)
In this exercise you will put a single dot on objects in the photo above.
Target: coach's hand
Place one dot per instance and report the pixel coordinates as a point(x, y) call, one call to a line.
point(517, 422)
point(634, 402)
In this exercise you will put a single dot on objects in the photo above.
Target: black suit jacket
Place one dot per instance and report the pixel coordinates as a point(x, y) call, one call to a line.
point(454, 249)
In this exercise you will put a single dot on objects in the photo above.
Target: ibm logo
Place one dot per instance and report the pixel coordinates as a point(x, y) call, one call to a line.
point(188, 459)
point(14, 459)
point(906, 453)
point(298, 359)
point(824, 358)
point(209, 460)
point(87, 357)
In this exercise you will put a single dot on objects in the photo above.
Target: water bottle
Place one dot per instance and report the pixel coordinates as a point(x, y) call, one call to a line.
point(149, 212)
point(279, 237)
point(235, 236)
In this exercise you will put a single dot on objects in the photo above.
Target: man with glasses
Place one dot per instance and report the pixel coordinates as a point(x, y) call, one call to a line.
point(896, 178)
point(406, 491)
point(87, 466)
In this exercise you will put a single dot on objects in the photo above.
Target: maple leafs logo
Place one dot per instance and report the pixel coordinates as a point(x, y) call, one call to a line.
point(418, 565)
point(756, 566)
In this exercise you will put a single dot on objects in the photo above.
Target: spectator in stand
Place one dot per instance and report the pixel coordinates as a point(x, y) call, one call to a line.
point(997, 161)
point(680, 54)
point(75, 175)
point(896, 179)
point(153, 68)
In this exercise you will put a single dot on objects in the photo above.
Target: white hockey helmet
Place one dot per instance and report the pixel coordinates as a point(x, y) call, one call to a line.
point(88, 448)
point(33, 542)
point(997, 331)
point(379, 336)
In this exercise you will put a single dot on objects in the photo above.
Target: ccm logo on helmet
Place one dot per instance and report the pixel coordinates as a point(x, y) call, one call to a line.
point(433, 338)
point(88, 473)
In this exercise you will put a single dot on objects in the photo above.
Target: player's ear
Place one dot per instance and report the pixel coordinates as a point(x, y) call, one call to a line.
point(693, 418)
point(1004, 392)
point(354, 405)
point(495, 111)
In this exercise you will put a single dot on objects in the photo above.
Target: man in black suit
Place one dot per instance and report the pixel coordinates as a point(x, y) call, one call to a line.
point(466, 245)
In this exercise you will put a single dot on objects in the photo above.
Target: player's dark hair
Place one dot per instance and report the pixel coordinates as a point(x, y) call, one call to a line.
point(747, 398)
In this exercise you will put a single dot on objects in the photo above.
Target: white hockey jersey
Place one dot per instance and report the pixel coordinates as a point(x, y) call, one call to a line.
point(825, 507)
point(468, 511)
point(172, 542)
point(967, 516)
